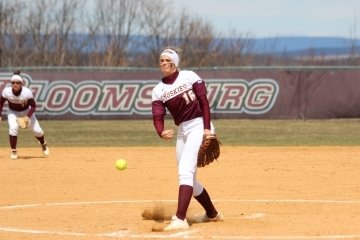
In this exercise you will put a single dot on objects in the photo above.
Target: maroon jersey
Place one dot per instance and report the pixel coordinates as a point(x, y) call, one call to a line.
point(18, 102)
point(183, 94)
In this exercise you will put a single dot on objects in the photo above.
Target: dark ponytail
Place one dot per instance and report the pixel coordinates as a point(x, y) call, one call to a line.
point(17, 72)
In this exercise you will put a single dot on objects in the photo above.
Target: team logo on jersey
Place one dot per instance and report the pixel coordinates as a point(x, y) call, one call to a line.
point(168, 94)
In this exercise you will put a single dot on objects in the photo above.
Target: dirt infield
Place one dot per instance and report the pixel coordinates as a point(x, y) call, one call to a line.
point(263, 192)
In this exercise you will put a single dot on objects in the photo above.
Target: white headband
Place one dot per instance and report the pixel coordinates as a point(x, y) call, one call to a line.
point(171, 54)
point(17, 78)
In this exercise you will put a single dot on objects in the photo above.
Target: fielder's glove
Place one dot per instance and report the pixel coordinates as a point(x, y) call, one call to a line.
point(209, 150)
point(23, 122)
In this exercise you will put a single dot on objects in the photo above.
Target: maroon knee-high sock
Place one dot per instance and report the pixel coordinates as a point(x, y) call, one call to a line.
point(41, 139)
point(13, 141)
point(185, 194)
point(205, 201)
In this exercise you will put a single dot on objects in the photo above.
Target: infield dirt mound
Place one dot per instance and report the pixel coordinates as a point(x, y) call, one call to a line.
point(77, 193)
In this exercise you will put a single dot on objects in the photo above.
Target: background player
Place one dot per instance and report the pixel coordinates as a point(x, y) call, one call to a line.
point(183, 93)
point(21, 103)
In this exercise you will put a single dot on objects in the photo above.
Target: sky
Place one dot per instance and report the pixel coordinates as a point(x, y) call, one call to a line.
point(274, 18)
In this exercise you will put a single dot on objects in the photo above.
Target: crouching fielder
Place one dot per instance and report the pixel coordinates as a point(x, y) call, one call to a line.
point(21, 104)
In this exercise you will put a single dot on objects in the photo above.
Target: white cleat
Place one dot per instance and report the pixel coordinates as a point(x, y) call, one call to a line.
point(45, 149)
point(177, 224)
point(13, 155)
point(204, 218)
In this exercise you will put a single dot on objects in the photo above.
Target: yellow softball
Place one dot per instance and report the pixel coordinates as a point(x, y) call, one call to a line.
point(121, 164)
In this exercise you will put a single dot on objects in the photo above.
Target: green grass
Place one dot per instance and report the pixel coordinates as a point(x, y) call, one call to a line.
point(117, 133)
point(343, 132)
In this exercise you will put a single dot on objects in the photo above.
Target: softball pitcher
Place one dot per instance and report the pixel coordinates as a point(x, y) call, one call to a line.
point(21, 104)
point(183, 94)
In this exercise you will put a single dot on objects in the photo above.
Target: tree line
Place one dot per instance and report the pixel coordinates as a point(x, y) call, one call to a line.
point(124, 33)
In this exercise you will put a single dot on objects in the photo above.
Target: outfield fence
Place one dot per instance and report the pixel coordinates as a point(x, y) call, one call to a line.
point(233, 92)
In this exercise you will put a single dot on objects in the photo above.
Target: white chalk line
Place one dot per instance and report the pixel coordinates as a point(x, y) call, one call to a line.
point(254, 216)
point(22, 230)
point(120, 234)
point(117, 234)
point(295, 201)
point(288, 237)
point(182, 234)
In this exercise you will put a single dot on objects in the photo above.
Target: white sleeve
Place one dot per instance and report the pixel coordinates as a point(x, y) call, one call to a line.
point(191, 77)
point(156, 93)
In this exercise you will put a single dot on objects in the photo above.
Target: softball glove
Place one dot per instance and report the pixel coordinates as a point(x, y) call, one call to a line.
point(23, 122)
point(209, 150)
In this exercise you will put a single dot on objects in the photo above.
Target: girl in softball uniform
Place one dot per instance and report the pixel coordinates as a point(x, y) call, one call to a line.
point(21, 103)
point(183, 94)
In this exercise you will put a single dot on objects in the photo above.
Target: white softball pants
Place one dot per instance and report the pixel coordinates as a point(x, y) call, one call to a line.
point(14, 127)
point(189, 138)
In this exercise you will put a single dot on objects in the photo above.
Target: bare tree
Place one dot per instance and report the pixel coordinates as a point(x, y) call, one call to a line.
point(11, 37)
point(115, 22)
point(129, 33)
point(41, 28)
point(238, 50)
point(162, 27)
point(66, 43)
point(197, 39)
point(157, 25)
point(354, 38)
point(50, 24)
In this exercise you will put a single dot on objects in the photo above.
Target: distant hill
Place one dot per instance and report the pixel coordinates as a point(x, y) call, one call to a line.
point(299, 46)
point(289, 46)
